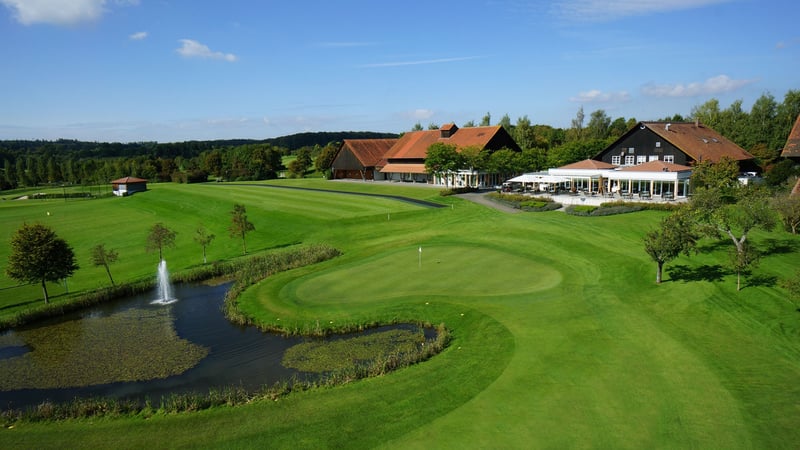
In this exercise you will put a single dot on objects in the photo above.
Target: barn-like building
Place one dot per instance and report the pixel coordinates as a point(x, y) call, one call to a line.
point(360, 159)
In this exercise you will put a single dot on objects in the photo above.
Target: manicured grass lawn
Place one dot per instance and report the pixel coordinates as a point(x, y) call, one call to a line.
point(561, 337)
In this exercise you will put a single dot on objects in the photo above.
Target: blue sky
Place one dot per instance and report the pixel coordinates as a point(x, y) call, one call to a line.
point(169, 70)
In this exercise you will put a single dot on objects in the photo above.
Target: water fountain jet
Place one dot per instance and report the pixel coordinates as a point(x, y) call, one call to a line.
point(165, 295)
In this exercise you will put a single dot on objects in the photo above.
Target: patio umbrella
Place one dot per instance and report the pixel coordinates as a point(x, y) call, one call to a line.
point(601, 188)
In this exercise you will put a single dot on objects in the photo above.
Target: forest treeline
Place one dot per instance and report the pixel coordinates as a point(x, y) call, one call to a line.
point(762, 131)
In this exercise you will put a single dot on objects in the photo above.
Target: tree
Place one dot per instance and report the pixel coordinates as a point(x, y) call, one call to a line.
point(102, 257)
point(325, 159)
point(240, 226)
point(598, 126)
point(577, 124)
point(505, 122)
point(442, 159)
point(417, 127)
point(720, 177)
point(788, 208)
point(204, 238)
point(38, 255)
point(297, 169)
point(742, 258)
point(486, 120)
point(675, 235)
point(523, 133)
point(734, 217)
point(792, 286)
point(159, 238)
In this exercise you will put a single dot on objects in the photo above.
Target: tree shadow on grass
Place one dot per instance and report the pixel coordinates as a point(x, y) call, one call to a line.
point(761, 280)
point(774, 246)
point(702, 273)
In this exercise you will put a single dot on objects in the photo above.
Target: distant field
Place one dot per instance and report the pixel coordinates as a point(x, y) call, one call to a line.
point(561, 337)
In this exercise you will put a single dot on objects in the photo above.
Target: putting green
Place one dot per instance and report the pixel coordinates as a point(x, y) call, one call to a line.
point(435, 270)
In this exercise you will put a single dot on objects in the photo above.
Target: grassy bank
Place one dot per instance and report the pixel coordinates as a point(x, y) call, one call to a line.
point(559, 335)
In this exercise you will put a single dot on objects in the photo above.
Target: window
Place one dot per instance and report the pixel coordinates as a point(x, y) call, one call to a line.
point(658, 144)
point(669, 159)
point(629, 160)
point(631, 150)
point(640, 159)
point(653, 157)
point(616, 160)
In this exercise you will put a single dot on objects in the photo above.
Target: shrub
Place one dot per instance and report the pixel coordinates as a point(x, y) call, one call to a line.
point(458, 190)
point(580, 210)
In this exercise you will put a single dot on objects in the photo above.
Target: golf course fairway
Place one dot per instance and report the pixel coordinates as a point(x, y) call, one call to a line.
point(560, 336)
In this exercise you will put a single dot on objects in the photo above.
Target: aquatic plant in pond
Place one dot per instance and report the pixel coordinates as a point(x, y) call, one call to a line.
point(322, 356)
point(130, 345)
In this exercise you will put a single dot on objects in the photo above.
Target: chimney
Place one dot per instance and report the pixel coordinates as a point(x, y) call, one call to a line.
point(666, 127)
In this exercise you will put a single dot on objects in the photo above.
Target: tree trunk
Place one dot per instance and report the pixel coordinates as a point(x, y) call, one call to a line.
point(658, 272)
point(204, 255)
point(44, 289)
point(108, 271)
point(738, 281)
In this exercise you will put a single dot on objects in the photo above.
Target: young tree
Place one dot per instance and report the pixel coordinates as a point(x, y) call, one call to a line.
point(788, 207)
point(204, 238)
point(240, 226)
point(742, 258)
point(102, 257)
point(160, 237)
point(38, 255)
point(675, 235)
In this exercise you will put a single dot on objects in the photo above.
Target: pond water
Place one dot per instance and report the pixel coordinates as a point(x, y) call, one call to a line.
point(135, 339)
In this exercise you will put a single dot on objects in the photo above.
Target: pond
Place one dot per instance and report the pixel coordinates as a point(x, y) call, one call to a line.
point(136, 349)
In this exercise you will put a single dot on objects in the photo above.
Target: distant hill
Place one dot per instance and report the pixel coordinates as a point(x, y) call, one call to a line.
point(10, 149)
point(300, 140)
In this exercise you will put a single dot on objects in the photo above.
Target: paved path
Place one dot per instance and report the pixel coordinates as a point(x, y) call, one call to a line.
point(481, 199)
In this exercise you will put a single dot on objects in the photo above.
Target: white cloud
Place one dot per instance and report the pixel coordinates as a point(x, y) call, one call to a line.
point(138, 36)
point(193, 49)
point(597, 96)
point(421, 114)
point(60, 12)
point(605, 10)
point(714, 85)
point(420, 62)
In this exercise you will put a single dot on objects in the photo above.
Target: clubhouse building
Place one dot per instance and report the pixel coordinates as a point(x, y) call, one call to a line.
point(651, 160)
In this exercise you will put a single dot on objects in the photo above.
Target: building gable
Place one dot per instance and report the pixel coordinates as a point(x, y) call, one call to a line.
point(679, 143)
point(792, 148)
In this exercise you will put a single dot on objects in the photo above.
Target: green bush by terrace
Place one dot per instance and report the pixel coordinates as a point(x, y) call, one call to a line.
point(525, 202)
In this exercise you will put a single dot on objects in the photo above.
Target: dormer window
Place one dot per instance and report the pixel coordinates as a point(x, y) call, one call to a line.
point(447, 130)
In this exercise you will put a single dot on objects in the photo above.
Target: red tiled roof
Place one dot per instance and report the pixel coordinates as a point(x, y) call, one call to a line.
point(369, 152)
point(698, 141)
point(414, 144)
point(128, 180)
point(589, 164)
point(792, 148)
point(656, 166)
